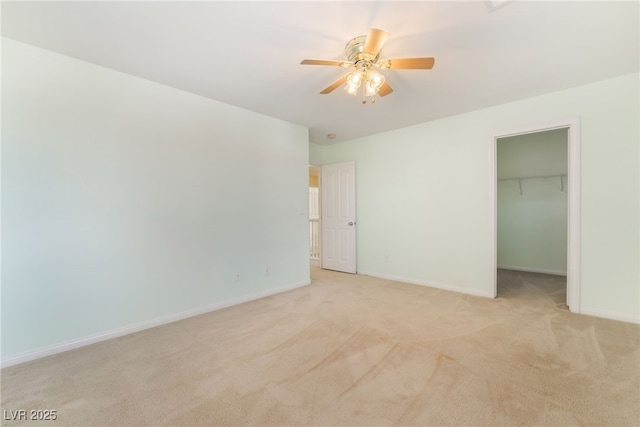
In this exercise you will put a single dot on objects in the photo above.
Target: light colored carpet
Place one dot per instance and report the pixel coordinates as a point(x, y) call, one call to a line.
point(353, 350)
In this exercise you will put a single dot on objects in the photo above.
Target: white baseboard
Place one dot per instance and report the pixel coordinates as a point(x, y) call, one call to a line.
point(611, 315)
point(533, 270)
point(412, 281)
point(136, 327)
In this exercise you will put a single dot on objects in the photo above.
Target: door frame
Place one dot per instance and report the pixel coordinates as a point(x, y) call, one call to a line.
point(573, 203)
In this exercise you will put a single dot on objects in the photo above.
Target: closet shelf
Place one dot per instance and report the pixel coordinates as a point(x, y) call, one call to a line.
point(521, 178)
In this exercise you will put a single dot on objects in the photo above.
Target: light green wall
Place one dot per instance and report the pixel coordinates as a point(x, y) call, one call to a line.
point(424, 194)
point(532, 210)
point(316, 154)
point(533, 154)
point(125, 201)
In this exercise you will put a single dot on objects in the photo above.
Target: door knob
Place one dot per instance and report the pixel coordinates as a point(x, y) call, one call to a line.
point(351, 222)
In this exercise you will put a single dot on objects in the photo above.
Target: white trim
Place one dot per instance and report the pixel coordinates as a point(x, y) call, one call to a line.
point(573, 213)
point(493, 213)
point(453, 288)
point(612, 315)
point(573, 203)
point(136, 327)
point(533, 270)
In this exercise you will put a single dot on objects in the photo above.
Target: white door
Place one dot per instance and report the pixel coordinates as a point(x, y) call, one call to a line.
point(339, 217)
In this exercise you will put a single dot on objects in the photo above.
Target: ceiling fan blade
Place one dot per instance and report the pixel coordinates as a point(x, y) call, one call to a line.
point(374, 42)
point(409, 63)
point(325, 62)
point(385, 89)
point(334, 85)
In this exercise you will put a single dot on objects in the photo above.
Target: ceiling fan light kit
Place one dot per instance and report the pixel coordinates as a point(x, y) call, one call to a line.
point(363, 54)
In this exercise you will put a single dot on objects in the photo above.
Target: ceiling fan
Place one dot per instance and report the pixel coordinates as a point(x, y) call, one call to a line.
point(363, 54)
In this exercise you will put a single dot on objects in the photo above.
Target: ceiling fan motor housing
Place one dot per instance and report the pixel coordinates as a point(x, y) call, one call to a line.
point(354, 50)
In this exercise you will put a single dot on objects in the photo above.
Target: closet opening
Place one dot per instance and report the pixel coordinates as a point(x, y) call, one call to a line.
point(536, 215)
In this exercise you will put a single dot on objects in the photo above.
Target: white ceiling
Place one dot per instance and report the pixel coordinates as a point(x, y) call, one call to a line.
point(248, 53)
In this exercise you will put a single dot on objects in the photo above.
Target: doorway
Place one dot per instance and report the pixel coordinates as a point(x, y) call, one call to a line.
point(332, 217)
point(536, 204)
point(532, 215)
point(314, 216)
